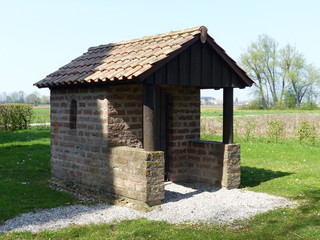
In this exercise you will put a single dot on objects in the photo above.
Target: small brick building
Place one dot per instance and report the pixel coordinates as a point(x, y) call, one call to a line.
point(125, 117)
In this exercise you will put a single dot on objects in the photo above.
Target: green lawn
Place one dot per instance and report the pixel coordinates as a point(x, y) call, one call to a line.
point(286, 169)
point(41, 115)
point(24, 173)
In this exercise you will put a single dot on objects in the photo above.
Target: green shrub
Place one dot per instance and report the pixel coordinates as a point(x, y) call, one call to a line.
point(279, 106)
point(249, 128)
point(275, 130)
point(236, 127)
point(255, 104)
point(290, 100)
point(307, 132)
point(309, 106)
point(15, 116)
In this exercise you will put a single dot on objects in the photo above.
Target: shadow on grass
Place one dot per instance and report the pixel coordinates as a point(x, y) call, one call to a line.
point(313, 196)
point(302, 222)
point(251, 177)
point(25, 135)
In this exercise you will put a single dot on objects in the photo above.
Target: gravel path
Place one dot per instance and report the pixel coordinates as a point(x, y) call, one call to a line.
point(188, 203)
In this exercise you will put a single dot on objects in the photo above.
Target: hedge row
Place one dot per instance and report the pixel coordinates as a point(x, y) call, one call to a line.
point(15, 116)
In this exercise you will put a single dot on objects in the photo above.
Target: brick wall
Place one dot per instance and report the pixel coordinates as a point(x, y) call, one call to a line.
point(184, 126)
point(214, 163)
point(138, 174)
point(205, 162)
point(191, 159)
point(106, 117)
point(86, 153)
point(125, 115)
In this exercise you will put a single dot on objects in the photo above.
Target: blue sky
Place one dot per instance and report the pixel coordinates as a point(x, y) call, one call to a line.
point(39, 36)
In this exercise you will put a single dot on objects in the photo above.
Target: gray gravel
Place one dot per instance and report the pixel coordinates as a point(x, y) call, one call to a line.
point(187, 203)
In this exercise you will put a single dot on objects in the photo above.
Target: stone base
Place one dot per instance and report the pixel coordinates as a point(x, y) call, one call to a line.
point(105, 197)
point(134, 177)
point(127, 176)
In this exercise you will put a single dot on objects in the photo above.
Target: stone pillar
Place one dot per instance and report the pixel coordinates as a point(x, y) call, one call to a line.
point(231, 166)
point(138, 174)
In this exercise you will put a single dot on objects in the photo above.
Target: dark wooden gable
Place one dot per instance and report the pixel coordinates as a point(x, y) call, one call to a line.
point(198, 65)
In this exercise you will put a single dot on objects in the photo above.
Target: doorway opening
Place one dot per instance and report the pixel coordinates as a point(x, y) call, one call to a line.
point(163, 110)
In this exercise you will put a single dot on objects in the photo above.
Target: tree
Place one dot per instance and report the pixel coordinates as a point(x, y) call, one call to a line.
point(18, 97)
point(289, 100)
point(14, 97)
point(3, 97)
point(313, 80)
point(21, 97)
point(9, 99)
point(278, 72)
point(45, 100)
point(260, 62)
point(301, 76)
point(33, 98)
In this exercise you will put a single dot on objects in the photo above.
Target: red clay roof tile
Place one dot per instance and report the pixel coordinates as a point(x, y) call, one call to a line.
point(123, 60)
point(126, 59)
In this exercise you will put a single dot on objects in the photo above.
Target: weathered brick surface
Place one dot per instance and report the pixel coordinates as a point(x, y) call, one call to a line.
point(214, 163)
point(184, 126)
point(106, 117)
point(192, 159)
point(205, 162)
point(103, 151)
point(138, 174)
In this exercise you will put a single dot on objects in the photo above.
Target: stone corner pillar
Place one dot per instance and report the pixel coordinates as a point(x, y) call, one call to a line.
point(231, 166)
point(154, 177)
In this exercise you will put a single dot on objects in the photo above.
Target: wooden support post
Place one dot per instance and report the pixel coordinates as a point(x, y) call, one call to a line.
point(148, 117)
point(227, 115)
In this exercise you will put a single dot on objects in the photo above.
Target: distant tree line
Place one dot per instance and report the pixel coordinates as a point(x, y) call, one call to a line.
point(283, 78)
point(206, 100)
point(22, 97)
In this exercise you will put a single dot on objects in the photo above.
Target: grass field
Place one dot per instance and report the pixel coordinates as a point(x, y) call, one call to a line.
point(41, 115)
point(205, 112)
point(24, 173)
point(255, 123)
point(286, 168)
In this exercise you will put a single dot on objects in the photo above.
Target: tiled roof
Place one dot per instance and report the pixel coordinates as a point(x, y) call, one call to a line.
point(117, 61)
point(124, 60)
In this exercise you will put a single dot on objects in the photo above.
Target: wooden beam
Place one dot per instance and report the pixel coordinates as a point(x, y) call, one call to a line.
point(149, 117)
point(227, 115)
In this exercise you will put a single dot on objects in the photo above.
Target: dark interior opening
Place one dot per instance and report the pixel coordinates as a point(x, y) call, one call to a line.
point(73, 114)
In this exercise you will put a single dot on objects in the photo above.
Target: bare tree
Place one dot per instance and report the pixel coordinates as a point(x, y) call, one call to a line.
point(260, 61)
point(278, 71)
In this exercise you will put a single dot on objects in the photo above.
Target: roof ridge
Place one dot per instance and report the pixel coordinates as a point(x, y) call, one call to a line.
point(197, 30)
